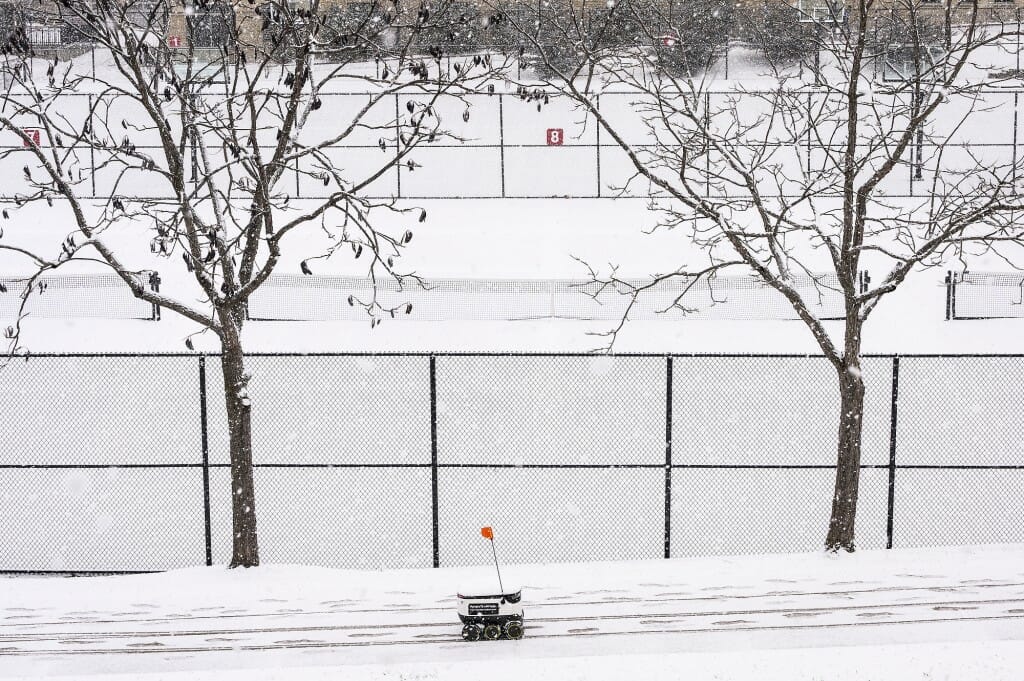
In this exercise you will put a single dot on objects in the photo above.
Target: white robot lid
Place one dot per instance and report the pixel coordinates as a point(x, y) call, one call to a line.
point(484, 591)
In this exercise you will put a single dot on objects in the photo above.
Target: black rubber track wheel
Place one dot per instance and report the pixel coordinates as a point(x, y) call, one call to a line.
point(514, 629)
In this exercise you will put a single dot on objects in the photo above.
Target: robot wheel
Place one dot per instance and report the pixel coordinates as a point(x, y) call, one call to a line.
point(514, 629)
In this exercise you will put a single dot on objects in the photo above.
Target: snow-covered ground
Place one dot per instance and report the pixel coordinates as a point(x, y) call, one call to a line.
point(505, 154)
point(536, 239)
point(895, 615)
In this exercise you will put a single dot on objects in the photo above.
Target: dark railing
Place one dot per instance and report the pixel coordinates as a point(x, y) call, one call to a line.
point(119, 463)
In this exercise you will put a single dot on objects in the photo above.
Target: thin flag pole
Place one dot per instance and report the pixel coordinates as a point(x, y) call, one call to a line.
point(496, 565)
point(488, 533)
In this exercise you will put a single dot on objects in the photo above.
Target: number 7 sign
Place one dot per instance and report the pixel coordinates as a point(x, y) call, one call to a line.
point(555, 137)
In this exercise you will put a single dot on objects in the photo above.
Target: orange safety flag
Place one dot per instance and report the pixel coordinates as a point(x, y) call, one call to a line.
point(487, 533)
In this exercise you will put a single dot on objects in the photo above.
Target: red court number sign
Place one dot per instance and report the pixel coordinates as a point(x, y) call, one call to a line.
point(174, 41)
point(34, 135)
point(555, 137)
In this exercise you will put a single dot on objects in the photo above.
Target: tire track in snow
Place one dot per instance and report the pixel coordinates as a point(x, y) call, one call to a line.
point(947, 588)
point(455, 639)
point(446, 634)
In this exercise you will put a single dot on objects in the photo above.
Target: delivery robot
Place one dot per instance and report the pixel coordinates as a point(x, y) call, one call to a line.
point(491, 615)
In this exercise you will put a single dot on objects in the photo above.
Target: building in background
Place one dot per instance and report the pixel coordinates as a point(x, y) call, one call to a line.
point(369, 28)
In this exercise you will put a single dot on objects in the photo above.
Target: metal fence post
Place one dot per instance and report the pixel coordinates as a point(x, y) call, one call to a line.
point(1016, 113)
point(707, 157)
point(892, 448)
point(206, 458)
point(433, 458)
point(154, 286)
point(952, 296)
point(951, 280)
point(398, 149)
point(501, 139)
point(92, 147)
point(810, 137)
point(863, 281)
point(668, 456)
point(597, 126)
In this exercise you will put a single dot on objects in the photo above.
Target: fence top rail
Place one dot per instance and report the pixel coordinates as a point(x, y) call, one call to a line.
point(1014, 279)
point(525, 354)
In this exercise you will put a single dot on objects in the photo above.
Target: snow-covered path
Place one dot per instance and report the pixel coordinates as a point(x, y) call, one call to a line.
point(575, 617)
point(375, 624)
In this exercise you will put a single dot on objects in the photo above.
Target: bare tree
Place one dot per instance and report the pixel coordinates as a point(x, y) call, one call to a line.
point(555, 38)
point(203, 120)
point(809, 173)
point(775, 29)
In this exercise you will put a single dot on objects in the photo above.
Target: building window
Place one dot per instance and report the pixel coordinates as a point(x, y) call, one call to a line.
point(42, 35)
point(900, 64)
point(213, 26)
point(821, 11)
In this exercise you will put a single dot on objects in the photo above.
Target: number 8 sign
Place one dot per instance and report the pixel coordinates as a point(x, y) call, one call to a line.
point(555, 137)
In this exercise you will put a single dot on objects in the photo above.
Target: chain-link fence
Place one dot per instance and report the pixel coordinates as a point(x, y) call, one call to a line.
point(120, 463)
point(68, 296)
point(984, 295)
point(506, 148)
point(99, 468)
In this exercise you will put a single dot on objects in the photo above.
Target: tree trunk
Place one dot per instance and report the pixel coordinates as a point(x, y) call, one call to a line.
point(245, 549)
point(851, 419)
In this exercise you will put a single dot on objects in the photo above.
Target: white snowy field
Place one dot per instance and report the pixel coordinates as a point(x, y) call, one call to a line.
point(505, 154)
point(525, 239)
point(951, 613)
